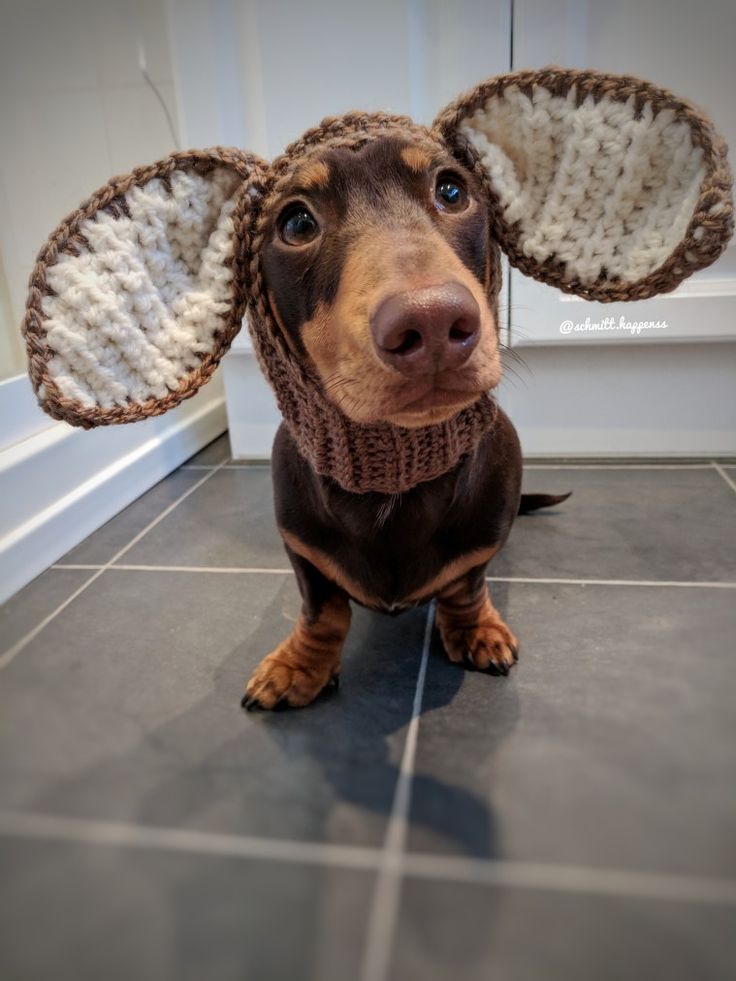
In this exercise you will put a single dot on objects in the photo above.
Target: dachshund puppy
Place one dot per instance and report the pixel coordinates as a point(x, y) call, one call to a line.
point(380, 271)
point(367, 256)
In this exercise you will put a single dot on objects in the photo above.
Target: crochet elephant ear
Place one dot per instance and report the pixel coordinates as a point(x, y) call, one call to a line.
point(136, 295)
point(602, 185)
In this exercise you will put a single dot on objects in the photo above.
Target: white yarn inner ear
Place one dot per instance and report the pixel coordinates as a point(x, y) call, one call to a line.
point(595, 186)
point(143, 300)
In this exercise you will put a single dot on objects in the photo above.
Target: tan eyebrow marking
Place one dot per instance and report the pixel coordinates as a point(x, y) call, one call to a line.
point(314, 175)
point(416, 159)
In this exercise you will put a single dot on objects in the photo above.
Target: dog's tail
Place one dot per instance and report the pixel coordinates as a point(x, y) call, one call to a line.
point(533, 502)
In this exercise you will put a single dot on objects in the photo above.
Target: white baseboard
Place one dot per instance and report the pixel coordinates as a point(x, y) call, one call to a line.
point(578, 444)
point(62, 484)
point(643, 402)
point(253, 416)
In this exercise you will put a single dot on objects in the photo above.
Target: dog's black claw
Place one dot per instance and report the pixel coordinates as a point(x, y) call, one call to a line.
point(334, 681)
point(248, 702)
point(515, 652)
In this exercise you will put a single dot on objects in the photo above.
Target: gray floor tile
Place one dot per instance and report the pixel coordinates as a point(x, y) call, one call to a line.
point(484, 933)
point(218, 451)
point(228, 521)
point(127, 707)
point(118, 532)
point(612, 743)
point(77, 913)
point(32, 604)
point(626, 524)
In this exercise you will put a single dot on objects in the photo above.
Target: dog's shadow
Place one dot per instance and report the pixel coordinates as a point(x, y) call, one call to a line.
point(318, 773)
point(357, 734)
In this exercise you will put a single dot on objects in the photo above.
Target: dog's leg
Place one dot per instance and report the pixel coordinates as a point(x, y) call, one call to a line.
point(471, 628)
point(309, 659)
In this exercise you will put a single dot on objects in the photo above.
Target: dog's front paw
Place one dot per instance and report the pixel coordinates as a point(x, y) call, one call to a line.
point(486, 646)
point(282, 679)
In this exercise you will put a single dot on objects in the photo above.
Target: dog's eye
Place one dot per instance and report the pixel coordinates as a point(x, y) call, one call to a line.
point(298, 226)
point(450, 193)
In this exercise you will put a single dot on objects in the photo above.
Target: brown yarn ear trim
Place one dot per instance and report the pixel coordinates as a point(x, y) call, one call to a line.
point(67, 239)
point(712, 218)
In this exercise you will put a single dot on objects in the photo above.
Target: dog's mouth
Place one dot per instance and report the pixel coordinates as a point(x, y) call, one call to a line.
point(425, 401)
point(410, 403)
point(435, 405)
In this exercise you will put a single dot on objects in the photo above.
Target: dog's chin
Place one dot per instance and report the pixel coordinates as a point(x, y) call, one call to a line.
point(431, 409)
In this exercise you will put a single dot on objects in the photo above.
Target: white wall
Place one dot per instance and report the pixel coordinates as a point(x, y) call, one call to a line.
point(74, 111)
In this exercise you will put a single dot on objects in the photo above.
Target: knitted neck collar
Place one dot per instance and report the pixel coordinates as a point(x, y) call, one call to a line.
point(379, 457)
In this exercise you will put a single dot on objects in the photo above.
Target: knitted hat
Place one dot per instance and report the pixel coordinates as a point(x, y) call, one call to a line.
point(601, 185)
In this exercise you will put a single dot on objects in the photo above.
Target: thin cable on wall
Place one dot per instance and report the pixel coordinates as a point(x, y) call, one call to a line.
point(149, 81)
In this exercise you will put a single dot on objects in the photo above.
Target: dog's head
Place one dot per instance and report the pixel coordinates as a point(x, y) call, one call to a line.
point(381, 272)
point(371, 248)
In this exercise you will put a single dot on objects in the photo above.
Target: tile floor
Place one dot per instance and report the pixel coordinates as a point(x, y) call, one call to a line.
point(574, 821)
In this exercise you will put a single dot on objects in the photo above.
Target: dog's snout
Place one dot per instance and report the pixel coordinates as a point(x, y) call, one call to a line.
point(427, 330)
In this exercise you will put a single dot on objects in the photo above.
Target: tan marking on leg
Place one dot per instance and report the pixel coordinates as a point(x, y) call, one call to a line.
point(329, 569)
point(416, 159)
point(452, 571)
point(472, 630)
point(332, 571)
point(303, 664)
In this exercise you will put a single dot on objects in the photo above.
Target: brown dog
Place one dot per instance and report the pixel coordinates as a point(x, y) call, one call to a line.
point(368, 256)
point(395, 304)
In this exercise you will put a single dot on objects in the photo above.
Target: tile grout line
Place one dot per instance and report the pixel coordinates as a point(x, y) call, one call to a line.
point(512, 873)
point(577, 879)
point(379, 938)
point(8, 656)
point(617, 466)
point(123, 834)
point(257, 570)
point(707, 465)
point(613, 582)
point(225, 466)
point(222, 570)
point(721, 472)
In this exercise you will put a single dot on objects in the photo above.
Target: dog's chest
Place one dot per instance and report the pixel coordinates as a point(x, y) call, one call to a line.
point(393, 560)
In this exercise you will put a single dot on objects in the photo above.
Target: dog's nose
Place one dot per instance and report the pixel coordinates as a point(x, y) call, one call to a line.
point(428, 330)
